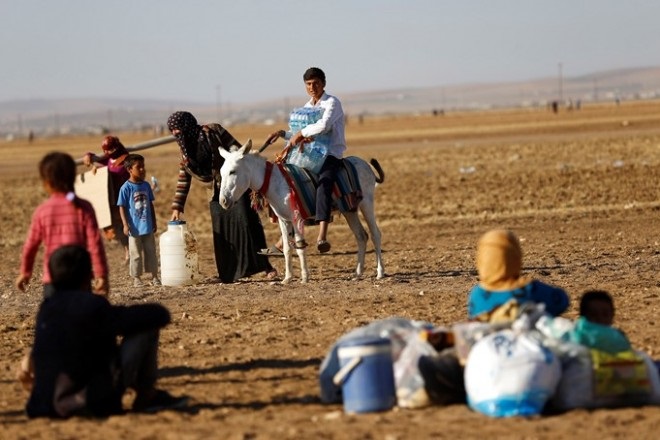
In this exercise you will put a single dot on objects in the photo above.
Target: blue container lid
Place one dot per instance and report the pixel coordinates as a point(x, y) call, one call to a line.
point(176, 222)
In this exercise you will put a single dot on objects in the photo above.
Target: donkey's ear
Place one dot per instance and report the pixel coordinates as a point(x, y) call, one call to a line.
point(245, 149)
point(224, 153)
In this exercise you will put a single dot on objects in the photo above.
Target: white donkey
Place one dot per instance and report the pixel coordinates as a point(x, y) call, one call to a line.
point(243, 170)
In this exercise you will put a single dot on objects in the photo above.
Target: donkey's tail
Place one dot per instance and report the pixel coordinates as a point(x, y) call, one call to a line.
point(380, 178)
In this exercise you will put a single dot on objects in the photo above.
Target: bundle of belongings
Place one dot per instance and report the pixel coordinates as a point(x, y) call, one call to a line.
point(521, 362)
point(410, 340)
point(514, 357)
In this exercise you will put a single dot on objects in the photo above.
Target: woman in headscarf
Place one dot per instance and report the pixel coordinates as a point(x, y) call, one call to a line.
point(113, 157)
point(237, 233)
point(499, 264)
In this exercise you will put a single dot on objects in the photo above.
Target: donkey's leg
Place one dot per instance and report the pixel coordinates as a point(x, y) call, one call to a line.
point(369, 214)
point(298, 237)
point(304, 273)
point(360, 237)
point(286, 249)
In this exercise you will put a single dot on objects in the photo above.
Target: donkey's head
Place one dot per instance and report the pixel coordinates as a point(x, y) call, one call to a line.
point(235, 175)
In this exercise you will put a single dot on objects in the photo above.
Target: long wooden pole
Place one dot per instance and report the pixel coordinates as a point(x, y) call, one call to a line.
point(141, 146)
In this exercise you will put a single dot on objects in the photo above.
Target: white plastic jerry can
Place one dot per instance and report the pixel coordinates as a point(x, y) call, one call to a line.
point(179, 263)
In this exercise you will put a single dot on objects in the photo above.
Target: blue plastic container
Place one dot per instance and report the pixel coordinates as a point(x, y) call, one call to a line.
point(366, 375)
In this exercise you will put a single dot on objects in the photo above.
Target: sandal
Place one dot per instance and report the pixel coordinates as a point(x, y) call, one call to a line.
point(323, 246)
point(271, 251)
point(271, 274)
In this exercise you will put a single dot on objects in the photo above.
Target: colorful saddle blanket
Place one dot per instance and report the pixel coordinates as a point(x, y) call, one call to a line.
point(346, 194)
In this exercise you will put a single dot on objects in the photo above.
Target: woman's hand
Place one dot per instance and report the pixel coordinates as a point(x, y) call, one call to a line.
point(87, 159)
point(176, 215)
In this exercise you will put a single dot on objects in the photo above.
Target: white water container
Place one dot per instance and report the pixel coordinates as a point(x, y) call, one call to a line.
point(178, 255)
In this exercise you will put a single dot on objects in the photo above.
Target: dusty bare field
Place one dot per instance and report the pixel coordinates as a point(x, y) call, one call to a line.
point(579, 188)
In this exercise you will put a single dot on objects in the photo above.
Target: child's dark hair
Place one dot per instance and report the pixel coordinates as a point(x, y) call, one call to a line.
point(594, 295)
point(70, 268)
point(59, 170)
point(131, 159)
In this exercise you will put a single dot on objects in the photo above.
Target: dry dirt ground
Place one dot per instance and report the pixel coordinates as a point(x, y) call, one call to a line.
point(579, 188)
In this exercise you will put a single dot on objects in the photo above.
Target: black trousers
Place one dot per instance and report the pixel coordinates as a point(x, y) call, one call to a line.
point(136, 367)
point(138, 356)
point(327, 178)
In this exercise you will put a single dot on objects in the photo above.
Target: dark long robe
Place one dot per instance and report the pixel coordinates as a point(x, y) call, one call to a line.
point(237, 237)
point(237, 233)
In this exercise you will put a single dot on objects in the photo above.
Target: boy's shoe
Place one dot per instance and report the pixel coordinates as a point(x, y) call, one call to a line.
point(137, 282)
point(155, 281)
point(161, 400)
point(323, 246)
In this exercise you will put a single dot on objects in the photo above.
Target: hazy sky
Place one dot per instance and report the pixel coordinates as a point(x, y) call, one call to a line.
point(249, 50)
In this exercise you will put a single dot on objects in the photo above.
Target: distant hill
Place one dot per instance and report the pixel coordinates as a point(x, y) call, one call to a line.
point(97, 115)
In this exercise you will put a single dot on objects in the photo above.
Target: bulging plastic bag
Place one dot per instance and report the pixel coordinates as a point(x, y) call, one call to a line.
point(410, 386)
point(510, 373)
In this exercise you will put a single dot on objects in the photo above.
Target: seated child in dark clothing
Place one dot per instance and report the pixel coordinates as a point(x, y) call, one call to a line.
point(79, 369)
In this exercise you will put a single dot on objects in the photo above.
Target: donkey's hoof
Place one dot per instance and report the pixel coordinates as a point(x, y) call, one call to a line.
point(286, 281)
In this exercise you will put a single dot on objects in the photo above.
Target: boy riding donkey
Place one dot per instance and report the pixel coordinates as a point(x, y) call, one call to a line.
point(331, 124)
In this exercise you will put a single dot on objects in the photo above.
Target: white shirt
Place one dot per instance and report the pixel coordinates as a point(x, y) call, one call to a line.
point(331, 123)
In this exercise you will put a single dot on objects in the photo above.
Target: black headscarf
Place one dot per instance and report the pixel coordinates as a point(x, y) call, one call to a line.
point(195, 149)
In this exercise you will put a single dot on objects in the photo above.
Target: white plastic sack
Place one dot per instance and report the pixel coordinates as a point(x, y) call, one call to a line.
point(510, 374)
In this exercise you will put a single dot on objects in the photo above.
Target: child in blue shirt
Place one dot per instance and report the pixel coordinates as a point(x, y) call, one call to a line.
point(138, 215)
